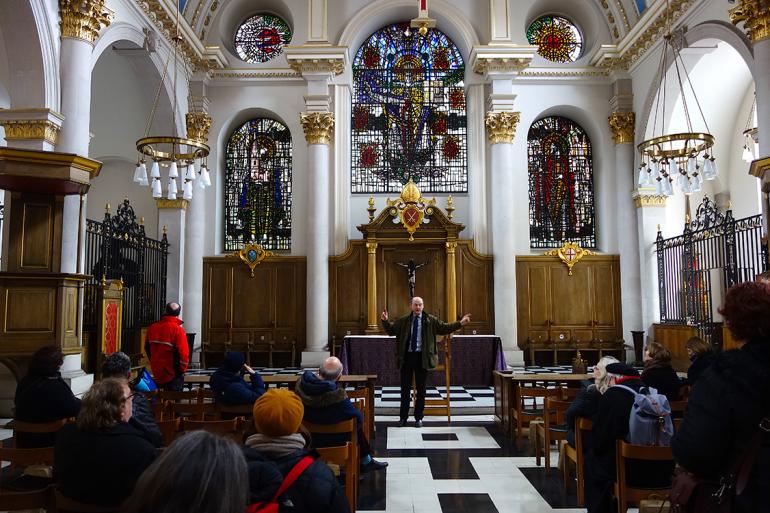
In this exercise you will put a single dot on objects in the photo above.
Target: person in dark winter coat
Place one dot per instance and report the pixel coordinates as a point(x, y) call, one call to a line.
point(43, 396)
point(99, 459)
point(118, 365)
point(610, 425)
point(724, 410)
point(586, 404)
point(326, 403)
point(658, 372)
point(701, 358)
point(278, 419)
point(228, 383)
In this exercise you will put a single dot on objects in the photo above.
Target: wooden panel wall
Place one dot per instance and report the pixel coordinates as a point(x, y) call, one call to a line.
point(348, 284)
point(582, 307)
point(247, 312)
point(674, 336)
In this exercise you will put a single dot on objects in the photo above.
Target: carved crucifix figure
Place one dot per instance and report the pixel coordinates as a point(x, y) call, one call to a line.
point(411, 274)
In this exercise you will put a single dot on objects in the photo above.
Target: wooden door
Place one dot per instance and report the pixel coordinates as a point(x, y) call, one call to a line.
point(534, 303)
point(570, 303)
point(606, 303)
point(217, 303)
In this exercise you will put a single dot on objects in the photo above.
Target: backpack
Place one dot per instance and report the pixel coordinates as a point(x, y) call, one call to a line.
point(272, 505)
point(143, 381)
point(650, 420)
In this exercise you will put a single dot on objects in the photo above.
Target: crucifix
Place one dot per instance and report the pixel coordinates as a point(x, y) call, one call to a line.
point(411, 274)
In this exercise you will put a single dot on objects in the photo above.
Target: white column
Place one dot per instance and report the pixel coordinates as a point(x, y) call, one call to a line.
point(75, 95)
point(501, 127)
point(192, 301)
point(477, 176)
point(762, 87)
point(172, 218)
point(622, 126)
point(651, 214)
point(318, 128)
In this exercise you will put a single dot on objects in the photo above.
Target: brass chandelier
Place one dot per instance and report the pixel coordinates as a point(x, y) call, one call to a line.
point(179, 154)
point(684, 159)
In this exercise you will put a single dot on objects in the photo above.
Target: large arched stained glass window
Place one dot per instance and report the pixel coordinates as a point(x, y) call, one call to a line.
point(258, 186)
point(561, 191)
point(408, 113)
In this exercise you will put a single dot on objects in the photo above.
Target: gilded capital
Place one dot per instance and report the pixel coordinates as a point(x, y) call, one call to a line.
point(31, 130)
point(622, 126)
point(180, 204)
point(650, 200)
point(755, 16)
point(371, 248)
point(450, 248)
point(502, 126)
point(198, 125)
point(83, 19)
point(318, 127)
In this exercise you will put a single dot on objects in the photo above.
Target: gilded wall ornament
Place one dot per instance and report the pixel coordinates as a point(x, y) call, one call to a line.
point(31, 129)
point(411, 208)
point(83, 19)
point(755, 15)
point(176, 203)
point(501, 126)
point(622, 126)
point(570, 253)
point(252, 255)
point(650, 200)
point(318, 127)
point(198, 125)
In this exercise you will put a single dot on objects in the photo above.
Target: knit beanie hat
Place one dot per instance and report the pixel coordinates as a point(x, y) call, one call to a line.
point(278, 412)
point(233, 361)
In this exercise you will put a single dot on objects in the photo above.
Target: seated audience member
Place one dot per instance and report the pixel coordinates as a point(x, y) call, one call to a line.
point(724, 412)
point(701, 357)
point(198, 473)
point(326, 403)
point(43, 396)
point(99, 459)
point(278, 419)
point(228, 383)
point(658, 372)
point(586, 404)
point(610, 425)
point(118, 365)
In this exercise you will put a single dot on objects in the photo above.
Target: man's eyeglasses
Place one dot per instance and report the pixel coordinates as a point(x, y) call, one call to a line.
point(129, 397)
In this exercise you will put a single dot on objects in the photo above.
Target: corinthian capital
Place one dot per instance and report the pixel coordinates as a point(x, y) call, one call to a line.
point(83, 19)
point(198, 125)
point(755, 15)
point(622, 126)
point(502, 126)
point(318, 127)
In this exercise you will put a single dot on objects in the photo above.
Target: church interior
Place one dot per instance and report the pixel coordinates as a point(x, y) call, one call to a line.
point(588, 180)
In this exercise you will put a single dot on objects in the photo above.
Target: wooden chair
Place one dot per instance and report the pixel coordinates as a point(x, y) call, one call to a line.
point(205, 395)
point(169, 430)
point(183, 396)
point(14, 500)
point(569, 393)
point(523, 413)
point(20, 426)
point(344, 456)
point(233, 429)
point(678, 409)
point(161, 410)
point(346, 426)
point(63, 504)
point(236, 410)
point(583, 427)
point(552, 429)
point(194, 411)
point(625, 451)
point(359, 399)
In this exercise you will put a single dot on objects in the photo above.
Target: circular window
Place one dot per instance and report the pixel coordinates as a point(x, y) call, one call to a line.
point(557, 39)
point(261, 37)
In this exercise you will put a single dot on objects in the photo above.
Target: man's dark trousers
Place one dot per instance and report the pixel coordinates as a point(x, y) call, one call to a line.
point(412, 366)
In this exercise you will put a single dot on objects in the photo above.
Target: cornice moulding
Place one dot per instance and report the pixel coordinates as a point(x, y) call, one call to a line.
point(501, 58)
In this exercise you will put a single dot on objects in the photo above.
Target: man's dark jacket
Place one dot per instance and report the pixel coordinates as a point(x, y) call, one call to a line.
point(698, 365)
point(143, 420)
point(230, 387)
point(326, 403)
point(43, 399)
point(315, 491)
point(100, 467)
point(401, 328)
point(723, 413)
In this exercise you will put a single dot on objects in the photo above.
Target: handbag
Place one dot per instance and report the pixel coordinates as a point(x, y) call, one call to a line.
point(691, 494)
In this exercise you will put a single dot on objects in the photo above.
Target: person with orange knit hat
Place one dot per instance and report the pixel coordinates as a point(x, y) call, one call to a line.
point(280, 439)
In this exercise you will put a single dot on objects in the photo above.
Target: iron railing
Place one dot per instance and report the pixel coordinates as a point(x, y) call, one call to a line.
point(117, 247)
point(714, 253)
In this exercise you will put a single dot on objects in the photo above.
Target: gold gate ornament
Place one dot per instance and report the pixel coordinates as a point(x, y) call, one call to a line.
point(570, 253)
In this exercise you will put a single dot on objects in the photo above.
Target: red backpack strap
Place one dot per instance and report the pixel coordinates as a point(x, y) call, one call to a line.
point(293, 474)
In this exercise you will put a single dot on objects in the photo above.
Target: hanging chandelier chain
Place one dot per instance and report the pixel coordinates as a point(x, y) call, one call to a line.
point(692, 90)
point(677, 60)
point(151, 118)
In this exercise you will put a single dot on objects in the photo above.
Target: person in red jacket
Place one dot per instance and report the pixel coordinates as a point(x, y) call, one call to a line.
point(166, 346)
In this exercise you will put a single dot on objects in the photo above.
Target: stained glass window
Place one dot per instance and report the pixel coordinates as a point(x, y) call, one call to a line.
point(641, 6)
point(408, 113)
point(556, 38)
point(561, 191)
point(261, 37)
point(258, 186)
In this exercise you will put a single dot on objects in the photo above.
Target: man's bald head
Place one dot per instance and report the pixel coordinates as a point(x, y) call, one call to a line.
point(417, 305)
point(173, 309)
point(331, 369)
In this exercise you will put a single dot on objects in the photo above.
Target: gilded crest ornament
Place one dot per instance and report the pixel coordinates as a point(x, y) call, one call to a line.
point(570, 253)
point(252, 255)
point(411, 208)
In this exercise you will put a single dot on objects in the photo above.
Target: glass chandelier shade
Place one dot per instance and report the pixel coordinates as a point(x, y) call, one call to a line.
point(750, 135)
point(683, 159)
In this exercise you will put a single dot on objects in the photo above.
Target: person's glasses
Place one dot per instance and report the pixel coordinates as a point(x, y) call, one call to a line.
point(129, 397)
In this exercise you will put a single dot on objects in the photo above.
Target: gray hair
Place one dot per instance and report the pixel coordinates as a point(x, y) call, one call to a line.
point(199, 472)
point(603, 381)
point(117, 365)
point(330, 369)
